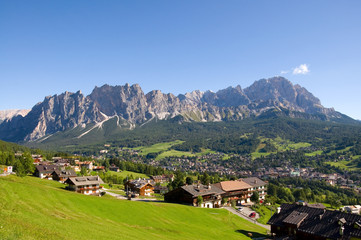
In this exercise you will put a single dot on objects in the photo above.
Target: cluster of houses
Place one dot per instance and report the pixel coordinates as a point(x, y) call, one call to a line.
point(306, 221)
point(61, 170)
point(211, 195)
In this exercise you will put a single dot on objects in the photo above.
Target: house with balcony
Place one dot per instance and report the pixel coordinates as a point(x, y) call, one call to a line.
point(188, 194)
point(238, 191)
point(88, 185)
point(256, 185)
point(63, 175)
point(45, 171)
point(142, 187)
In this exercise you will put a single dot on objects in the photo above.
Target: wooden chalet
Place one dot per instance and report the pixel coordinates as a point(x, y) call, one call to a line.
point(45, 171)
point(163, 178)
point(238, 191)
point(143, 187)
point(89, 185)
point(188, 194)
point(305, 222)
point(98, 168)
point(63, 175)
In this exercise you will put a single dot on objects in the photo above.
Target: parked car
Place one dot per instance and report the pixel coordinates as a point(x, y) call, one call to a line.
point(240, 209)
point(252, 215)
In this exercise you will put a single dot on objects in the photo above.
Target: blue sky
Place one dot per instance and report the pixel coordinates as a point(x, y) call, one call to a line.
point(48, 47)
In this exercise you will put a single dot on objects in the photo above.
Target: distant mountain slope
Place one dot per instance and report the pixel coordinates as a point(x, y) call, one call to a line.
point(127, 107)
point(7, 114)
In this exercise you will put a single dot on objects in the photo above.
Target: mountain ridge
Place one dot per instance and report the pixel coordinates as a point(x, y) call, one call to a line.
point(133, 107)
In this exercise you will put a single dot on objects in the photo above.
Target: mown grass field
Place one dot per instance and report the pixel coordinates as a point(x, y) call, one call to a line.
point(32, 208)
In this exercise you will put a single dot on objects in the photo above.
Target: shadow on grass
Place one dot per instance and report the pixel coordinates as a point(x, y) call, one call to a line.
point(252, 234)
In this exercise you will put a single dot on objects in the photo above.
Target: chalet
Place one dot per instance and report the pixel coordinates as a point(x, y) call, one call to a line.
point(238, 191)
point(45, 171)
point(143, 187)
point(189, 194)
point(63, 175)
point(113, 168)
point(61, 162)
point(89, 185)
point(98, 168)
point(163, 178)
point(256, 185)
point(87, 164)
point(298, 221)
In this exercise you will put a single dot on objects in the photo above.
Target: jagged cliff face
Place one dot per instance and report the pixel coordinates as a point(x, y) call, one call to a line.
point(129, 103)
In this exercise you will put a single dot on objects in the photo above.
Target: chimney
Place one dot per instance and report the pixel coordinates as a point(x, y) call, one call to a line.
point(278, 209)
point(209, 186)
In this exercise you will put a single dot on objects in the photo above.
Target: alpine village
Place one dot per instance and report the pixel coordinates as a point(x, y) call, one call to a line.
point(152, 165)
point(180, 120)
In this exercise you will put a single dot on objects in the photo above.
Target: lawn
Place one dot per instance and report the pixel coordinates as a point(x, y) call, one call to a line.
point(33, 208)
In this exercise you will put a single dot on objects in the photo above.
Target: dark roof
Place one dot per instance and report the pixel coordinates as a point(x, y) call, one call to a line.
point(253, 181)
point(317, 221)
point(295, 218)
point(46, 168)
point(65, 173)
point(81, 181)
point(139, 183)
point(200, 190)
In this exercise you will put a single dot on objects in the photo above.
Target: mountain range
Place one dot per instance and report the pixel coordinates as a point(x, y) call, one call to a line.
point(128, 107)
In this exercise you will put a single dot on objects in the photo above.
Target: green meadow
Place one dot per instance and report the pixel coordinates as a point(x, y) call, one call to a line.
point(33, 208)
point(125, 173)
point(164, 150)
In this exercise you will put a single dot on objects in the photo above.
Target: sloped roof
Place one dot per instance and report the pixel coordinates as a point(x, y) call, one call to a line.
point(295, 217)
point(253, 181)
point(200, 190)
point(139, 183)
point(65, 173)
point(228, 186)
point(46, 168)
point(318, 222)
point(88, 180)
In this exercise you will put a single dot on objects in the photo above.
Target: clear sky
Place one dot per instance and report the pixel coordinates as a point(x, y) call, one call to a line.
point(48, 47)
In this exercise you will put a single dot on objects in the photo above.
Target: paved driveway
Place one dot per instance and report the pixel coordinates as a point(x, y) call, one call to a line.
point(245, 216)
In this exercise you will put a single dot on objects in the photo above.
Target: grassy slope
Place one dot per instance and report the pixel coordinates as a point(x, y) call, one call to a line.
point(165, 151)
point(280, 144)
point(32, 208)
point(124, 174)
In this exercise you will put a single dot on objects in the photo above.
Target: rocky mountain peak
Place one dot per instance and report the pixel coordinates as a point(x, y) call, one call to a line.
point(129, 103)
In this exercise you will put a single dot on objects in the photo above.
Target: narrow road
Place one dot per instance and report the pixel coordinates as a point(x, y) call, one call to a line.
point(122, 197)
point(234, 211)
point(114, 194)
